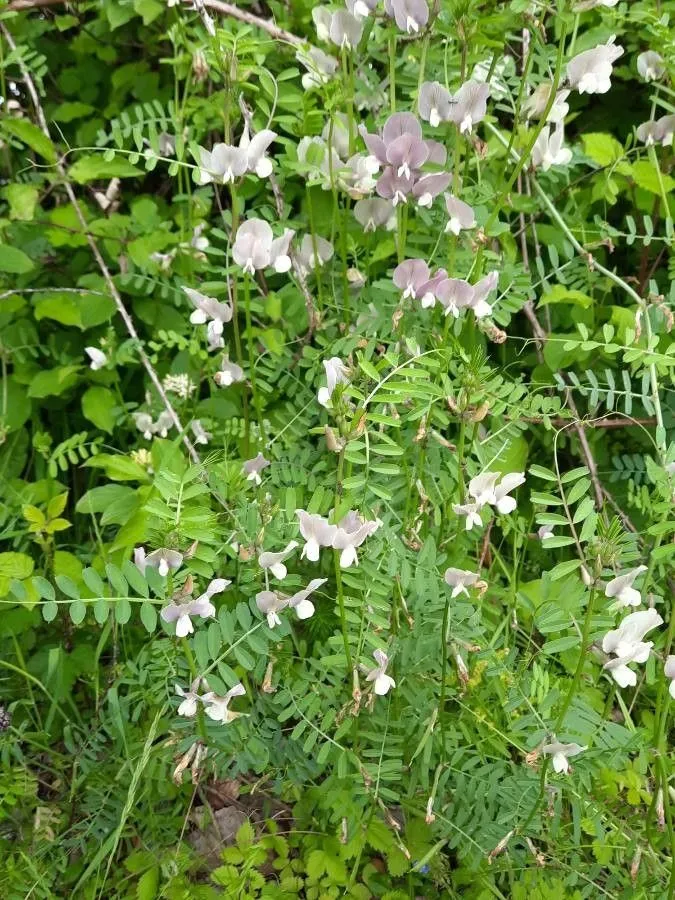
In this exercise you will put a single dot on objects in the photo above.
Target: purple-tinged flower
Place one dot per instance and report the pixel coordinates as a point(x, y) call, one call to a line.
point(560, 754)
point(217, 708)
point(454, 294)
point(304, 608)
point(275, 561)
point(406, 154)
point(472, 513)
point(181, 613)
point(459, 580)
point(658, 132)
point(669, 672)
point(336, 373)
point(270, 604)
point(97, 357)
point(409, 15)
point(314, 252)
point(163, 560)
point(627, 645)
point(255, 148)
point(391, 186)
point(374, 213)
point(470, 105)
point(222, 165)
point(255, 247)
point(360, 9)
point(648, 133)
point(428, 187)
point(434, 103)
point(409, 276)
point(545, 532)
point(438, 155)
point(461, 215)
point(622, 589)
point(253, 467)
point(548, 149)
point(345, 29)
point(481, 290)
point(427, 291)
point(351, 532)
point(382, 683)
point(317, 532)
point(590, 72)
point(650, 65)
point(229, 373)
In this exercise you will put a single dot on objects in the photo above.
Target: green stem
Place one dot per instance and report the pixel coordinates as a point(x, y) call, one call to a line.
point(192, 666)
point(338, 571)
point(392, 73)
point(251, 352)
point(235, 320)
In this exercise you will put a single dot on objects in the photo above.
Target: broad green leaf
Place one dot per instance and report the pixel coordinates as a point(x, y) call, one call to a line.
point(98, 404)
point(94, 167)
point(32, 136)
point(14, 261)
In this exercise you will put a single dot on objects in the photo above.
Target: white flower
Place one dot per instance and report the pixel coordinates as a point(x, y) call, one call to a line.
point(229, 373)
point(212, 313)
point(201, 435)
point(255, 147)
point(144, 423)
point(221, 165)
point(336, 373)
point(669, 672)
point(622, 588)
point(590, 72)
point(383, 682)
point(253, 467)
point(275, 561)
point(256, 248)
point(97, 357)
point(482, 488)
point(459, 580)
point(217, 708)
point(317, 532)
point(545, 532)
point(177, 384)
point(434, 103)
point(345, 29)
point(360, 9)
point(561, 753)
point(351, 532)
point(374, 213)
point(469, 105)
point(314, 252)
point(188, 706)
point(304, 608)
point(410, 15)
point(536, 103)
point(472, 513)
point(181, 613)
point(461, 215)
point(270, 605)
point(650, 65)
point(163, 560)
point(627, 645)
point(548, 150)
point(503, 502)
point(320, 66)
point(480, 291)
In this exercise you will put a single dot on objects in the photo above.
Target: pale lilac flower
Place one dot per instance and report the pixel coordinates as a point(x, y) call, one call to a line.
point(317, 532)
point(482, 488)
point(622, 589)
point(454, 294)
point(314, 252)
point(217, 708)
point(320, 67)
point(201, 606)
point(396, 188)
point(459, 580)
point(188, 706)
point(210, 312)
point(97, 357)
point(270, 605)
point(545, 532)
point(360, 9)
point(461, 215)
point(375, 213)
point(427, 292)
point(382, 682)
point(504, 503)
point(336, 373)
point(253, 467)
point(255, 247)
point(669, 672)
point(472, 513)
point(548, 149)
point(434, 103)
point(222, 165)
point(163, 424)
point(410, 276)
point(481, 290)
point(560, 754)
point(201, 435)
point(428, 187)
point(627, 644)
point(658, 132)
point(585, 5)
point(650, 65)
point(229, 373)
point(590, 72)
point(536, 103)
point(256, 148)
point(351, 532)
point(648, 133)
point(163, 560)
point(410, 15)
point(275, 561)
point(438, 155)
point(469, 105)
point(345, 29)
point(304, 608)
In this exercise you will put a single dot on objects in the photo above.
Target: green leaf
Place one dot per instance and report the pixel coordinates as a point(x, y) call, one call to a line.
point(118, 468)
point(561, 294)
point(98, 404)
point(43, 587)
point(94, 167)
point(49, 610)
point(22, 199)
point(14, 261)
point(603, 149)
point(645, 176)
point(148, 616)
point(93, 581)
point(564, 568)
point(67, 586)
point(32, 136)
point(13, 565)
point(78, 611)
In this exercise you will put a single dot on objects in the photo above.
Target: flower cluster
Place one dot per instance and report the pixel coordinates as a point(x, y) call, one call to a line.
point(215, 707)
point(348, 534)
point(454, 295)
point(225, 163)
point(465, 108)
point(271, 603)
point(626, 643)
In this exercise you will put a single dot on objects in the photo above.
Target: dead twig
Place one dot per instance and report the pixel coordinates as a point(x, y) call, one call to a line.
point(114, 293)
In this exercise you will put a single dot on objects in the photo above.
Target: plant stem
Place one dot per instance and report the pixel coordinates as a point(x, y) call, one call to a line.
point(392, 73)
point(336, 562)
point(192, 666)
